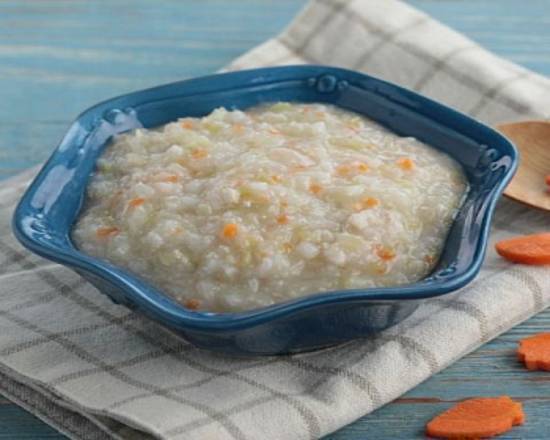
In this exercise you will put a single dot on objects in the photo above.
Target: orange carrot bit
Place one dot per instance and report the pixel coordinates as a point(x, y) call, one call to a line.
point(476, 418)
point(385, 253)
point(430, 259)
point(526, 249)
point(315, 188)
point(365, 203)
point(406, 164)
point(282, 219)
point(343, 170)
point(362, 167)
point(138, 201)
point(199, 153)
point(192, 303)
point(172, 178)
point(230, 231)
point(534, 352)
point(187, 124)
point(107, 231)
point(370, 202)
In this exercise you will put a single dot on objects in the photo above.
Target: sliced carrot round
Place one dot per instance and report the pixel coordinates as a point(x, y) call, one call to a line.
point(534, 352)
point(527, 249)
point(475, 418)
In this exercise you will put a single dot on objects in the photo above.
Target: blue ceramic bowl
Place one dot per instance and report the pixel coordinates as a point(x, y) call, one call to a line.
point(45, 214)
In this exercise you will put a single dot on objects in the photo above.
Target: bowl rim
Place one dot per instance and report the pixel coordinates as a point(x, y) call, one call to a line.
point(153, 300)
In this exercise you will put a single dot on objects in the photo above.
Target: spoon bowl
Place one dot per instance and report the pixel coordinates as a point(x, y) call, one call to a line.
point(532, 139)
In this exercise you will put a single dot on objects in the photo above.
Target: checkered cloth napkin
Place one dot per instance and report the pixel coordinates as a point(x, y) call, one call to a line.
point(95, 370)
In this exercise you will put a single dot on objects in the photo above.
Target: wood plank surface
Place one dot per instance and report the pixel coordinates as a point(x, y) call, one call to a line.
point(59, 57)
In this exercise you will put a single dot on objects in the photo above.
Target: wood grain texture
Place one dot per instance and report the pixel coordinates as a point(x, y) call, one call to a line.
point(532, 138)
point(59, 57)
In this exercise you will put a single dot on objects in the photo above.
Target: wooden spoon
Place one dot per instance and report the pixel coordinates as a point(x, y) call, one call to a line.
point(532, 138)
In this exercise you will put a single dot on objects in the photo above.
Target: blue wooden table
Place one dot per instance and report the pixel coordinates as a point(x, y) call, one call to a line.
point(58, 57)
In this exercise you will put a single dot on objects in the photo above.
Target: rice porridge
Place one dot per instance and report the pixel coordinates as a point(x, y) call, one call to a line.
point(238, 210)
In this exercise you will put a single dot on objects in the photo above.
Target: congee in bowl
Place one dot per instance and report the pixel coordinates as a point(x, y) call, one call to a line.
point(243, 209)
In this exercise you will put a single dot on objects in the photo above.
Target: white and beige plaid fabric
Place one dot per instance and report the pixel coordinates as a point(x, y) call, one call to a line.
point(95, 370)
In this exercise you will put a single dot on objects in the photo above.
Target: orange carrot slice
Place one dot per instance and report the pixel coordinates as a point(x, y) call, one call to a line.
point(282, 219)
point(107, 231)
point(199, 153)
point(385, 253)
point(192, 303)
point(230, 230)
point(134, 203)
point(406, 164)
point(527, 249)
point(343, 170)
point(315, 188)
point(172, 178)
point(362, 167)
point(534, 352)
point(475, 418)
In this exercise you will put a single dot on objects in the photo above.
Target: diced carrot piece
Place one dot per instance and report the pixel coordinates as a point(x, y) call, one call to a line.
point(107, 231)
point(370, 202)
point(192, 303)
point(406, 164)
point(385, 253)
point(362, 167)
point(199, 153)
point(477, 418)
point(315, 188)
point(187, 124)
point(173, 178)
point(526, 249)
point(134, 203)
point(343, 170)
point(534, 352)
point(230, 230)
point(282, 219)
point(429, 259)
point(365, 203)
